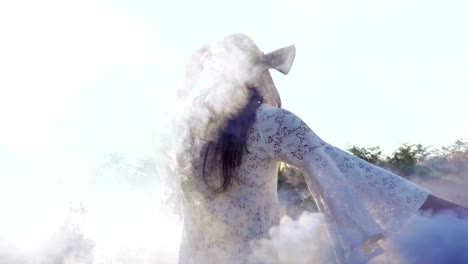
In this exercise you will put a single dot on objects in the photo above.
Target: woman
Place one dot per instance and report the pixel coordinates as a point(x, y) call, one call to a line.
point(231, 135)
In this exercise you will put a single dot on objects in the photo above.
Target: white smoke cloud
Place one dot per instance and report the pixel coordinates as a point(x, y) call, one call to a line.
point(115, 217)
point(428, 239)
point(300, 242)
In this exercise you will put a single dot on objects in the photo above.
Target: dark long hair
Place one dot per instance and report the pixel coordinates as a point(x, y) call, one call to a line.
point(232, 140)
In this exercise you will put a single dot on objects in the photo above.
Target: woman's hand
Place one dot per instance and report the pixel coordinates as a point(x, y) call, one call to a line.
point(436, 205)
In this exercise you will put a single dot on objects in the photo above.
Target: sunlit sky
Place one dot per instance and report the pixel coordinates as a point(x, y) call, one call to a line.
point(84, 78)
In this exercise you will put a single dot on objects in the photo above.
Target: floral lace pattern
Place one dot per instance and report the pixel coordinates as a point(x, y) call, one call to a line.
point(351, 192)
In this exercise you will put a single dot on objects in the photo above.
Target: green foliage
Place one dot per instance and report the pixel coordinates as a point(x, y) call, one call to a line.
point(456, 157)
point(406, 158)
point(372, 154)
point(458, 150)
point(410, 160)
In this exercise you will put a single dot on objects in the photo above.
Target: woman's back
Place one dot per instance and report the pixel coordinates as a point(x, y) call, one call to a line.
point(220, 225)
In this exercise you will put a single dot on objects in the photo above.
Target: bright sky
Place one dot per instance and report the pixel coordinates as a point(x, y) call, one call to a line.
point(83, 78)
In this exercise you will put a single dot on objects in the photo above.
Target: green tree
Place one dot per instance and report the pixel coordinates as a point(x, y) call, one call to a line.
point(457, 156)
point(406, 160)
point(369, 154)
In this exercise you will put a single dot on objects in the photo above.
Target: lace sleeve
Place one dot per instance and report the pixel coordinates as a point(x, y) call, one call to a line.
point(391, 199)
point(341, 184)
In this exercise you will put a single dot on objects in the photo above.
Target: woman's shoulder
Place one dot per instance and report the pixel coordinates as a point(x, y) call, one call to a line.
point(272, 110)
point(268, 112)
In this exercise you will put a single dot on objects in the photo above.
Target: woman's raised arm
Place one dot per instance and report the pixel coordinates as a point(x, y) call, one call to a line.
point(287, 138)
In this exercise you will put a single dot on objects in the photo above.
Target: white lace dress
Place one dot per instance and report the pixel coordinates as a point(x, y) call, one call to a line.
point(351, 192)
